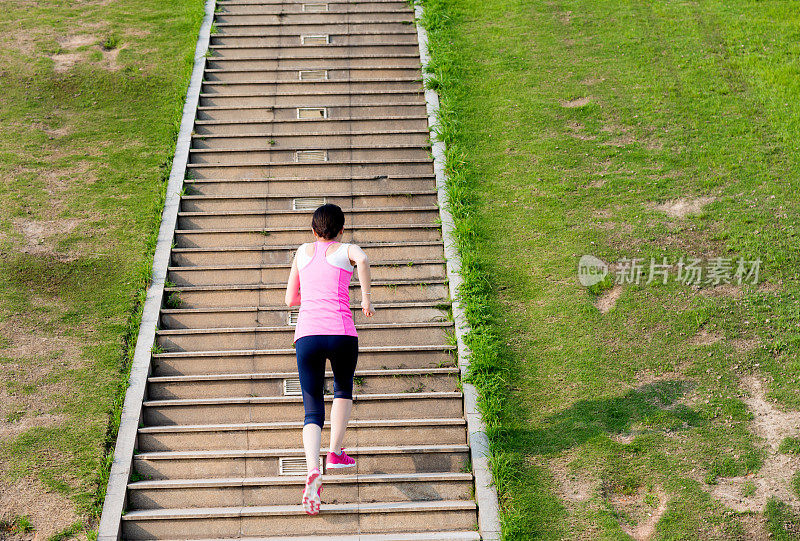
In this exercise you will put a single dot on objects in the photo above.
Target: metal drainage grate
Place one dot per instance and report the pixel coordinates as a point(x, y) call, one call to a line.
point(322, 39)
point(294, 465)
point(314, 113)
point(308, 203)
point(315, 8)
point(313, 75)
point(292, 317)
point(291, 387)
point(311, 156)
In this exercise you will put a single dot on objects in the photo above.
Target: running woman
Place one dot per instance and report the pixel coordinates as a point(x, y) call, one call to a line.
point(320, 283)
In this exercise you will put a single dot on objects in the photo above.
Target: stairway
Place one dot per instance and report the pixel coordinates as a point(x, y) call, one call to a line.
point(302, 104)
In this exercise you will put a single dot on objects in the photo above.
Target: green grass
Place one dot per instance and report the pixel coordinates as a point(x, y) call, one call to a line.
point(20, 524)
point(91, 103)
point(568, 125)
point(790, 446)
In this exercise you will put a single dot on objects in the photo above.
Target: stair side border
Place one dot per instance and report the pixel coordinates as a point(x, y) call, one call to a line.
point(116, 490)
point(485, 490)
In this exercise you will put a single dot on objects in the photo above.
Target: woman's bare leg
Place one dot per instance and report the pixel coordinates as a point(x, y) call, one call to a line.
point(312, 441)
point(340, 415)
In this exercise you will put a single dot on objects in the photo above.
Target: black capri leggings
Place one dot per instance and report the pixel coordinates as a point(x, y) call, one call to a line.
point(312, 351)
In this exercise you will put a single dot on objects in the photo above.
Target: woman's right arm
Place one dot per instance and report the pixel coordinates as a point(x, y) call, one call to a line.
point(293, 286)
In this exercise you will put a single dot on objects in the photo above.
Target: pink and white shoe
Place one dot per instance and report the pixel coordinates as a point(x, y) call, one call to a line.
point(312, 492)
point(341, 460)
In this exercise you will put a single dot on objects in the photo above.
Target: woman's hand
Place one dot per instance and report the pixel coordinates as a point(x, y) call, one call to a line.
point(366, 307)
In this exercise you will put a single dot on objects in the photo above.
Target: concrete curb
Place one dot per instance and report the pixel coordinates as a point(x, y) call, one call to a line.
point(485, 491)
point(114, 504)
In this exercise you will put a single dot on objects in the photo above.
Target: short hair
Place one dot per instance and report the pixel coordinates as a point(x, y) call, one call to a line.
point(328, 221)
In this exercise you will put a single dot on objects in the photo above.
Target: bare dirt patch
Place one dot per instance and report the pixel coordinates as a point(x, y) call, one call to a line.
point(68, 56)
point(643, 516)
point(705, 338)
point(769, 287)
point(565, 17)
point(572, 486)
point(622, 136)
point(576, 131)
point(621, 141)
point(63, 62)
point(743, 345)
point(77, 41)
point(577, 102)
point(24, 382)
point(755, 526)
point(110, 59)
point(599, 183)
point(49, 512)
point(607, 300)
point(589, 81)
point(680, 208)
point(39, 236)
point(773, 425)
point(731, 291)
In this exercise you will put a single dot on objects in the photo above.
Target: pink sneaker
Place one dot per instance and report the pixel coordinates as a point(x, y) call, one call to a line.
point(335, 461)
point(312, 492)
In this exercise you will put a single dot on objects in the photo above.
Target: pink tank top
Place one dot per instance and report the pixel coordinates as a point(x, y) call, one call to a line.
point(324, 297)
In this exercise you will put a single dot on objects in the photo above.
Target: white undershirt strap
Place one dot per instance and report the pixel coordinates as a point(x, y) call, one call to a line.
point(339, 258)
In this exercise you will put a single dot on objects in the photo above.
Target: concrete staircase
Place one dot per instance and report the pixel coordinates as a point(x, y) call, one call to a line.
point(303, 103)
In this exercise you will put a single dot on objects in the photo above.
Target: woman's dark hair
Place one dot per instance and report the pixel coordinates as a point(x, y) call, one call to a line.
point(328, 221)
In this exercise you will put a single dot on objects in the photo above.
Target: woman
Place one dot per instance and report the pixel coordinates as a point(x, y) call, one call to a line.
point(320, 283)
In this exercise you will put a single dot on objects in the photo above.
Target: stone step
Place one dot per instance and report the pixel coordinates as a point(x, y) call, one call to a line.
point(288, 434)
point(314, 99)
point(357, 206)
point(306, 127)
point(291, 17)
point(370, 334)
point(275, 383)
point(234, 362)
point(382, 26)
point(412, 536)
point(273, 295)
point(254, 39)
point(266, 462)
point(274, 273)
point(285, 4)
point(377, 54)
point(252, 491)
point(384, 517)
point(289, 188)
point(254, 212)
point(251, 316)
point(313, 46)
point(363, 167)
point(358, 67)
point(249, 219)
point(290, 408)
point(250, 255)
point(328, 143)
point(315, 7)
point(320, 107)
point(207, 238)
point(358, 86)
point(323, 154)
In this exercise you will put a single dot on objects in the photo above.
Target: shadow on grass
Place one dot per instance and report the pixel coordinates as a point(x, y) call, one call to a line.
point(653, 405)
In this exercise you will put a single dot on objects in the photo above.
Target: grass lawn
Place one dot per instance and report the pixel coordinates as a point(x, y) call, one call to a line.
point(91, 99)
point(627, 129)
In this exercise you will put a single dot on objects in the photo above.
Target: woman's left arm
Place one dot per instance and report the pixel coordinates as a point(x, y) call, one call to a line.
point(293, 286)
point(358, 256)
